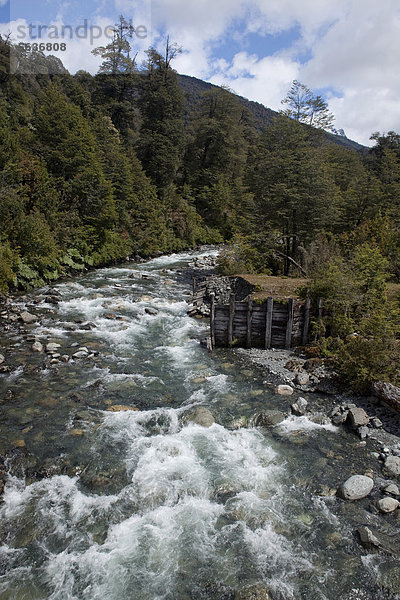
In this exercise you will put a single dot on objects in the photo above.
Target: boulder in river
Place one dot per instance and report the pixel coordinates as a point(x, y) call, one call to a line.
point(391, 489)
point(269, 418)
point(363, 432)
point(81, 353)
point(52, 347)
point(19, 443)
point(388, 504)
point(200, 415)
point(75, 432)
point(358, 417)
point(28, 318)
point(299, 407)
point(302, 379)
point(88, 326)
point(388, 393)
point(37, 347)
point(2, 359)
point(368, 539)
point(284, 390)
point(356, 487)
point(392, 465)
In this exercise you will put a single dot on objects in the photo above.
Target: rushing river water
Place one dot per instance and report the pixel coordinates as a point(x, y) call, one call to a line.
point(145, 505)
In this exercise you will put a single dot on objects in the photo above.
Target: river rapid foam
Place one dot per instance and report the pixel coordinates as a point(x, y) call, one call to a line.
point(136, 501)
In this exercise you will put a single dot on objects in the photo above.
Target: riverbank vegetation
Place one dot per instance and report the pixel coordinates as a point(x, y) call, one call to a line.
point(97, 168)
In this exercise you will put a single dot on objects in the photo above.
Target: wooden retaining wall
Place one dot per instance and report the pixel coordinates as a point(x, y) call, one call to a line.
point(251, 324)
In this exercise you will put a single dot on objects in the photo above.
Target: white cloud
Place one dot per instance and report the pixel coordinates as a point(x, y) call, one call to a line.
point(3, 2)
point(84, 38)
point(350, 47)
point(264, 80)
point(359, 56)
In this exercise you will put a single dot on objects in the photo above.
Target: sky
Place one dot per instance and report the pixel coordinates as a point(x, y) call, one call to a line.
point(346, 50)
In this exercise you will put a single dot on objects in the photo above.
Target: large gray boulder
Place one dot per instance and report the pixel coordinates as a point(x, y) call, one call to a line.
point(52, 347)
point(391, 489)
point(356, 487)
point(368, 539)
point(269, 418)
point(28, 318)
point(299, 408)
point(392, 465)
point(200, 416)
point(388, 504)
point(302, 378)
point(284, 390)
point(358, 417)
point(388, 393)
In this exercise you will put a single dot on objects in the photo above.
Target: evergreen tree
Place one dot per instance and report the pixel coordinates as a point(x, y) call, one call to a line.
point(293, 190)
point(117, 54)
point(305, 107)
point(215, 159)
point(161, 143)
point(69, 148)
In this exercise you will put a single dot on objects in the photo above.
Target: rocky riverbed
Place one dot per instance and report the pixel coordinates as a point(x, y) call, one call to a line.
point(375, 423)
point(137, 464)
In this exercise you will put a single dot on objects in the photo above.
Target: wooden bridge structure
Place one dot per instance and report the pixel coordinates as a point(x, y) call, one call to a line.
point(248, 322)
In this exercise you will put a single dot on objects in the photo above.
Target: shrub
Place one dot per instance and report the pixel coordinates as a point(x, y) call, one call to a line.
point(356, 303)
point(8, 265)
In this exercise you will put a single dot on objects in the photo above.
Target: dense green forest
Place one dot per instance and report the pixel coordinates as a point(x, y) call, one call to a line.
point(138, 161)
point(142, 161)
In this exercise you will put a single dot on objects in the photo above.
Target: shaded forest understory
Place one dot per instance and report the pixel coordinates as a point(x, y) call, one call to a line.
point(95, 169)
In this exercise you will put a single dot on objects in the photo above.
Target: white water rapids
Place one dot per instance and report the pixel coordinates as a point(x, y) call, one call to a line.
point(147, 505)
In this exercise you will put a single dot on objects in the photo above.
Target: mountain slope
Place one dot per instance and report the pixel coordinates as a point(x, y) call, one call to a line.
point(194, 88)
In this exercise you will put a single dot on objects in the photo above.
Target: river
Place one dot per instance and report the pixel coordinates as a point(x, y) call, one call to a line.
point(143, 504)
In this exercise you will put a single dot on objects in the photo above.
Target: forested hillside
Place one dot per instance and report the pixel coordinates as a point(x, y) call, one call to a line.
point(194, 90)
point(140, 162)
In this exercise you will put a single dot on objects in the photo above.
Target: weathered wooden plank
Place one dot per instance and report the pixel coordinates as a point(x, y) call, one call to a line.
point(268, 322)
point(221, 316)
point(240, 306)
point(249, 321)
point(212, 319)
point(288, 339)
point(259, 308)
point(250, 324)
point(306, 324)
point(231, 317)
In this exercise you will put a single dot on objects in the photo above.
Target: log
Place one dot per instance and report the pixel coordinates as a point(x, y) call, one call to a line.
point(249, 321)
point(306, 324)
point(268, 323)
point(289, 326)
point(212, 320)
point(231, 317)
point(290, 259)
point(387, 392)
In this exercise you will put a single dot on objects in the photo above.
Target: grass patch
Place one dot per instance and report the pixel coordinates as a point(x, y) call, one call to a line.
point(275, 287)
